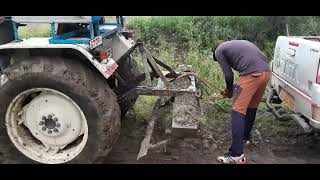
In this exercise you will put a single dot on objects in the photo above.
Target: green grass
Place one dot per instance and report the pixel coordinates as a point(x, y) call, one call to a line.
point(143, 107)
point(189, 40)
point(39, 30)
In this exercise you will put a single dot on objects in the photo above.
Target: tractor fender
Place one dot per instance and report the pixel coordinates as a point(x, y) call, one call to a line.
point(43, 44)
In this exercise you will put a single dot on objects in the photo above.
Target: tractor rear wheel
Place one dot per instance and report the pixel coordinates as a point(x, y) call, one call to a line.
point(56, 110)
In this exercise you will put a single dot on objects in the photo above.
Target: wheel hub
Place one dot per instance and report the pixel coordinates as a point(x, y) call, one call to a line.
point(53, 119)
point(50, 124)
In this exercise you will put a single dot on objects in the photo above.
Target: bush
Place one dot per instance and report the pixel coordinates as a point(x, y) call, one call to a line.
point(189, 39)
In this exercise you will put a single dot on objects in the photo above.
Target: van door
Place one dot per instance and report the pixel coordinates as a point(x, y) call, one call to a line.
point(296, 61)
point(307, 60)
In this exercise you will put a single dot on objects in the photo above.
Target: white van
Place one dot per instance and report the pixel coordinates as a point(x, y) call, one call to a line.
point(296, 80)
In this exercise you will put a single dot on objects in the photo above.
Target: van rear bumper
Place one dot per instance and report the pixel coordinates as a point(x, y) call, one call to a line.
point(315, 124)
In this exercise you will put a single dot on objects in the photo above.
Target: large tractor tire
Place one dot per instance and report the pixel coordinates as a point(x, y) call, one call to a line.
point(128, 69)
point(56, 110)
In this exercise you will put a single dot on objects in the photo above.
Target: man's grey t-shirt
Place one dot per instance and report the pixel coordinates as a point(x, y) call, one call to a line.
point(242, 56)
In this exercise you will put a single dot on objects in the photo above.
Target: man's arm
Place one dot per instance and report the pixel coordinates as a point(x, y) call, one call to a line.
point(226, 69)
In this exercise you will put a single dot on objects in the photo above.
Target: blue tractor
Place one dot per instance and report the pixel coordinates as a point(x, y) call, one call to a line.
point(62, 97)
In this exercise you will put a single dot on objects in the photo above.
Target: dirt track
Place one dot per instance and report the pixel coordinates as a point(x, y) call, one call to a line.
point(279, 143)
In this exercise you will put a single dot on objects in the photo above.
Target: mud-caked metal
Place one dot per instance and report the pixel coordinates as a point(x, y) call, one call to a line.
point(63, 105)
point(62, 97)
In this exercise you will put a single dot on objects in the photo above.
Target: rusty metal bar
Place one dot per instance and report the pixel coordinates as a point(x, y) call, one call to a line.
point(145, 64)
point(145, 144)
point(130, 50)
point(156, 68)
point(153, 91)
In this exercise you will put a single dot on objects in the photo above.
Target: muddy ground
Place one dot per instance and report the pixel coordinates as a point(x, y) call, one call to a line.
point(274, 142)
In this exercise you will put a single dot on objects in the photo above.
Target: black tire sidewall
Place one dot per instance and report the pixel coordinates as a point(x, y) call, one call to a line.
point(128, 70)
point(77, 93)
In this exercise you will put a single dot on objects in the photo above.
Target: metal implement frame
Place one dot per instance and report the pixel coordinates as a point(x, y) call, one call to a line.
point(163, 88)
point(156, 91)
point(151, 70)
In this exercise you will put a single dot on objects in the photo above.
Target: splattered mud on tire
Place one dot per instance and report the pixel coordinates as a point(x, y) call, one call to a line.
point(76, 80)
point(127, 70)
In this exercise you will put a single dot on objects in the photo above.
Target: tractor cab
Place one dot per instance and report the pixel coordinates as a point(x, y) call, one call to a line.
point(87, 30)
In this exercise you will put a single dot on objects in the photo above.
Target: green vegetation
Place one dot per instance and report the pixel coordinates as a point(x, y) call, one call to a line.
point(34, 30)
point(190, 39)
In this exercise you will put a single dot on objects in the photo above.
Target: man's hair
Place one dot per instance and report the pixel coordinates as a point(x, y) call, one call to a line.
point(214, 54)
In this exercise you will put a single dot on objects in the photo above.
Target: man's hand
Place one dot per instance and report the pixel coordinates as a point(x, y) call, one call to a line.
point(227, 93)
